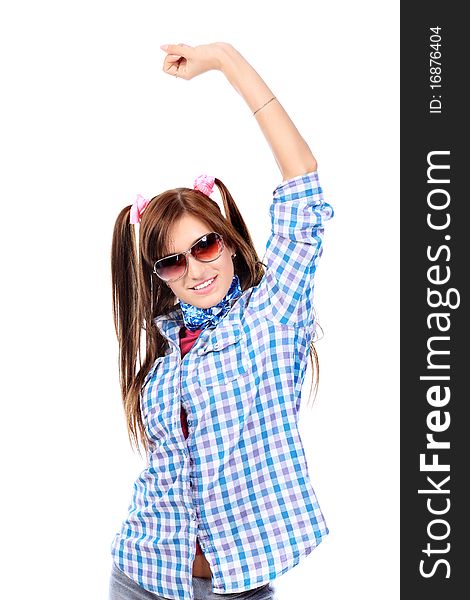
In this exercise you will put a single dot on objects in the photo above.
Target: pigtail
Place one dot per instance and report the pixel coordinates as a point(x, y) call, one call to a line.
point(250, 271)
point(126, 313)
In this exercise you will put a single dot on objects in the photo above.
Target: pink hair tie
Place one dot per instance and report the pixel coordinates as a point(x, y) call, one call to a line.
point(138, 208)
point(205, 184)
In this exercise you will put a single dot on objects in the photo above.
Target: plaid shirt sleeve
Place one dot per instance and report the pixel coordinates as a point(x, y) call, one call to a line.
point(293, 250)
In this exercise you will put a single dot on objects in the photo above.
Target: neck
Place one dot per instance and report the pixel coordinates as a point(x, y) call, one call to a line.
point(200, 318)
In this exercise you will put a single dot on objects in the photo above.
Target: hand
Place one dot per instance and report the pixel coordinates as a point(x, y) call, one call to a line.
point(187, 62)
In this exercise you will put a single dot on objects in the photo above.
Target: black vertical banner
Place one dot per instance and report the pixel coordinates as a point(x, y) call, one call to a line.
point(435, 345)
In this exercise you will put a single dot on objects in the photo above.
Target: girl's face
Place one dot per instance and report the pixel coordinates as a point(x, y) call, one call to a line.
point(187, 230)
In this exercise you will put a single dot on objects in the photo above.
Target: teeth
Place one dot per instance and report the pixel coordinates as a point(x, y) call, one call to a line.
point(203, 285)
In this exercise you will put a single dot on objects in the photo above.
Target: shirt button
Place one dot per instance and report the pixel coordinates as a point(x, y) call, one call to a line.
point(216, 345)
point(193, 516)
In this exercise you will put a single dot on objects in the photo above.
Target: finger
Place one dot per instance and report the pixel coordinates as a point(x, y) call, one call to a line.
point(172, 59)
point(171, 68)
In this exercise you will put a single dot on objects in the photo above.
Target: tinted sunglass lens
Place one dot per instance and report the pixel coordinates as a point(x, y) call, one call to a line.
point(208, 248)
point(171, 268)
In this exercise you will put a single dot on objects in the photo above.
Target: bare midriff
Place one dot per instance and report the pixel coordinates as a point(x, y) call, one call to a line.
point(201, 567)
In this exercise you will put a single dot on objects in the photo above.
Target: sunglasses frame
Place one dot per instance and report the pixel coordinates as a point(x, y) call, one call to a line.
point(185, 254)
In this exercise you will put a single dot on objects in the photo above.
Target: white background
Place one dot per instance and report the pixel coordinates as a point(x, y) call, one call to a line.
point(88, 120)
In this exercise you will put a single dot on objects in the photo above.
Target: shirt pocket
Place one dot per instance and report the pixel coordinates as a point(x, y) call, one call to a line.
point(224, 359)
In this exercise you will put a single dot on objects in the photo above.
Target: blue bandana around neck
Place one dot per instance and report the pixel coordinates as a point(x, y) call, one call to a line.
point(200, 318)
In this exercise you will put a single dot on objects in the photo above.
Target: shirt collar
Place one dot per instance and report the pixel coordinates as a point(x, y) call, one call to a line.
point(170, 323)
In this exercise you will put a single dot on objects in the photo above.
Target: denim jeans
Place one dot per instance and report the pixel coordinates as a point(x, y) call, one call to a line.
point(122, 587)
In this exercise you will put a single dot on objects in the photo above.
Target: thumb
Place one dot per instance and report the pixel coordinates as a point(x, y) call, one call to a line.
point(181, 49)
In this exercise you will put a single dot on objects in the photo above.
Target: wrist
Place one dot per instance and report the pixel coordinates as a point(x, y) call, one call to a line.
point(225, 53)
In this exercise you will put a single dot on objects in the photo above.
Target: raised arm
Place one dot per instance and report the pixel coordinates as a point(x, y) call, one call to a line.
point(292, 153)
point(298, 211)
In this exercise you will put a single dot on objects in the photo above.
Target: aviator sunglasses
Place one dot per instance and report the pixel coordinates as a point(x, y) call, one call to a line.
point(206, 249)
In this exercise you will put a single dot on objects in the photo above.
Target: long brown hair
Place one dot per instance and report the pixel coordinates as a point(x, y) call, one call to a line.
point(138, 299)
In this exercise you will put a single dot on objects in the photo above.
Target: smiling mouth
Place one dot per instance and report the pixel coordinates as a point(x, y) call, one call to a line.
point(204, 284)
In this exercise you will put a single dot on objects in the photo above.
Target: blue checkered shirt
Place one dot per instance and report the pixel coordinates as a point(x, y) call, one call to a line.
point(240, 481)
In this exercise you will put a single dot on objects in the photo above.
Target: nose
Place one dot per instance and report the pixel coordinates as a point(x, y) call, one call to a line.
point(197, 270)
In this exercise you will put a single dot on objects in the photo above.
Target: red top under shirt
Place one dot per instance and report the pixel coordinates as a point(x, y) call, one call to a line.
point(187, 339)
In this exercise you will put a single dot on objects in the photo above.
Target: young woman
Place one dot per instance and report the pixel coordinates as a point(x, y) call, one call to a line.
point(225, 504)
